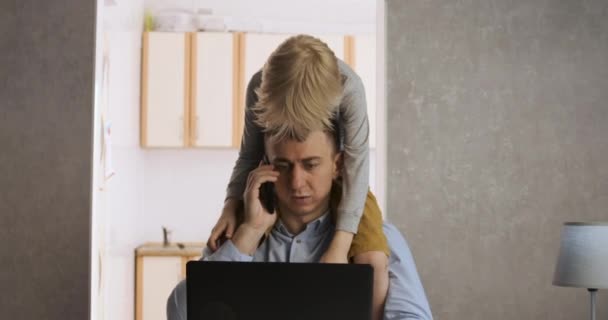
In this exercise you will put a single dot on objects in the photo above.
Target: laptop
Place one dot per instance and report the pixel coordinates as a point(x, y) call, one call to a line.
point(265, 290)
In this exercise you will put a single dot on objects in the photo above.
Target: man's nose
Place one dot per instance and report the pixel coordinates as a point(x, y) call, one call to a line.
point(297, 178)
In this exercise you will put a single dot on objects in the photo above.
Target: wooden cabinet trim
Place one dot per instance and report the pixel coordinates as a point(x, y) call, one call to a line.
point(144, 90)
point(184, 261)
point(192, 73)
point(238, 88)
point(349, 51)
point(156, 249)
point(139, 286)
point(187, 88)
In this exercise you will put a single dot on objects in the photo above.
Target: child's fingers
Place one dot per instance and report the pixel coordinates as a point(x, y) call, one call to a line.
point(216, 233)
point(229, 229)
point(211, 243)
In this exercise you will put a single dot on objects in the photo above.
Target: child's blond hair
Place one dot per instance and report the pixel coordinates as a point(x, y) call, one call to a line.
point(301, 88)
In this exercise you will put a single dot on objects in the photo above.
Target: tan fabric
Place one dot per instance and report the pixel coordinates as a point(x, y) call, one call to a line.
point(369, 236)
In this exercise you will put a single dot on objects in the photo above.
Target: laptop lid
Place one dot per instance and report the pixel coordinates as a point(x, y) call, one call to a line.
point(259, 290)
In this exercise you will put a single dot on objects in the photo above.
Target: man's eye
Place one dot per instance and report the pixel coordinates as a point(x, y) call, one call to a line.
point(281, 166)
point(310, 166)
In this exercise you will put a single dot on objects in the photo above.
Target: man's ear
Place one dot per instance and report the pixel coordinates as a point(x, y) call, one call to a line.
point(338, 165)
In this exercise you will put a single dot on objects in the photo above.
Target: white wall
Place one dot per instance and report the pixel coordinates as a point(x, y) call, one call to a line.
point(181, 189)
point(97, 198)
point(184, 190)
point(118, 201)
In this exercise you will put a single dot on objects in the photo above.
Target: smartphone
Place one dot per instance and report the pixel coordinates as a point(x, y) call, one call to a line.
point(267, 194)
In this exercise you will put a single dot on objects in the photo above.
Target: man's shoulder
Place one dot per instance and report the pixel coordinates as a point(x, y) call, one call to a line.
point(396, 241)
point(390, 228)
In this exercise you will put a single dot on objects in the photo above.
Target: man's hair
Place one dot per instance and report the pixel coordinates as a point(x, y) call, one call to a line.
point(301, 88)
point(335, 134)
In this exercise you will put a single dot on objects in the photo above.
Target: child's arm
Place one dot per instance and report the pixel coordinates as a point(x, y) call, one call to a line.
point(252, 144)
point(250, 154)
point(355, 179)
point(337, 252)
point(225, 226)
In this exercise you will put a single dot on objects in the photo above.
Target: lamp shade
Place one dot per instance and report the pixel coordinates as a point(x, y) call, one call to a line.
point(583, 256)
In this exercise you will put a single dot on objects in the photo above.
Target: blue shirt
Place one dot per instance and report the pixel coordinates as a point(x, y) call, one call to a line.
point(405, 300)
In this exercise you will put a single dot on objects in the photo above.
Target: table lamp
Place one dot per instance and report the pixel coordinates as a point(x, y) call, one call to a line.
point(583, 258)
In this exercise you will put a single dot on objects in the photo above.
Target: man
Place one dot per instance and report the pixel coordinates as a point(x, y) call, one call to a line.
point(303, 173)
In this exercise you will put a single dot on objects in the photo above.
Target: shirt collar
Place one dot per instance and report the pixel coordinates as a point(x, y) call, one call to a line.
point(313, 228)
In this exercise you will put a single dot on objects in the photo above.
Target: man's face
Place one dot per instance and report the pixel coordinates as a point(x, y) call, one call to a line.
point(307, 170)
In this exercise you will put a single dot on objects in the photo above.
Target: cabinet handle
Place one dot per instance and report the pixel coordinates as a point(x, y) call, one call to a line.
point(196, 129)
point(181, 127)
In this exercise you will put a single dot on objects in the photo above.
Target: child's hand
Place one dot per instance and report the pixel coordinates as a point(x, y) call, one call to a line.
point(224, 228)
point(338, 248)
point(333, 256)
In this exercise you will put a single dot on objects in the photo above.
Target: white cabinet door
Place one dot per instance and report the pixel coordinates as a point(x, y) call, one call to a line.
point(164, 89)
point(257, 49)
point(159, 276)
point(334, 42)
point(214, 89)
point(365, 66)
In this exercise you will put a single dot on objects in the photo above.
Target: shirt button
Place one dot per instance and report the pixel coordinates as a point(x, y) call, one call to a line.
point(298, 241)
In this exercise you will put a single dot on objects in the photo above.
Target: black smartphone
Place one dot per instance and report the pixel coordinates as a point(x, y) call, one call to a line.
point(267, 196)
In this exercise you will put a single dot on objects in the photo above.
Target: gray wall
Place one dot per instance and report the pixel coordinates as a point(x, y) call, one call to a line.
point(46, 111)
point(497, 133)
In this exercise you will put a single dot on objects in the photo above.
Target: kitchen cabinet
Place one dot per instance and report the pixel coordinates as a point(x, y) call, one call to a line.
point(165, 90)
point(189, 90)
point(215, 111)
point(158, 270)
point(193, 85)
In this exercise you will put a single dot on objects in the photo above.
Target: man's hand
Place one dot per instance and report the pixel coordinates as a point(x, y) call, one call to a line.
point(256, 219)
point(256, 215)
